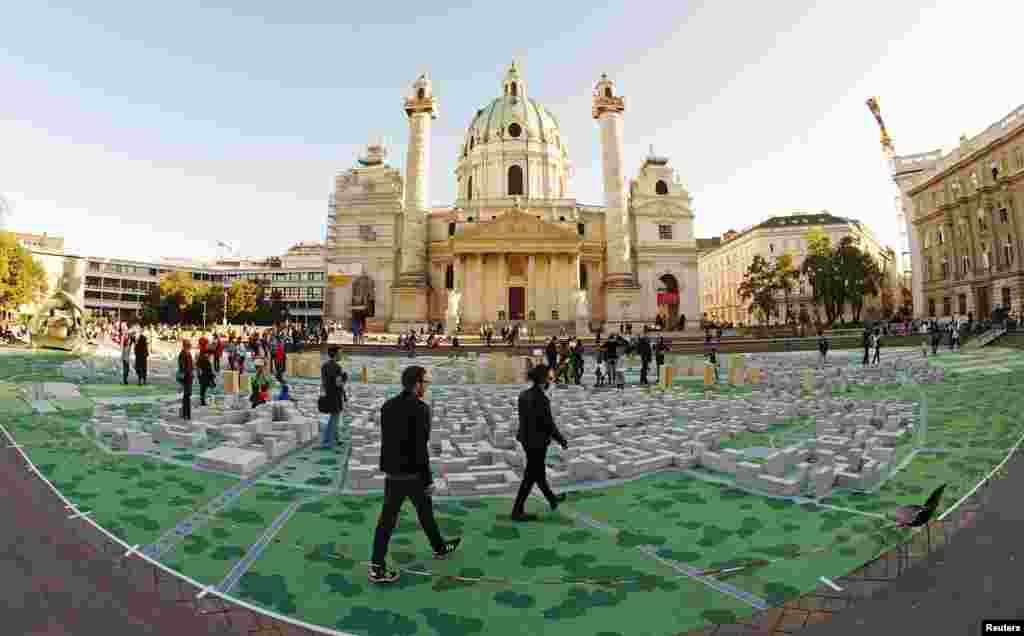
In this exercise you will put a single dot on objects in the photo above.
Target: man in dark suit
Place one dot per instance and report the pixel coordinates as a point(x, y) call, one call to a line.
point(404, 433)
point(643, 347)
point(536, 430)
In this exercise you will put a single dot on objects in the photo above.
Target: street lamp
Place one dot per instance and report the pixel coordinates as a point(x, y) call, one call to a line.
point(226, 286)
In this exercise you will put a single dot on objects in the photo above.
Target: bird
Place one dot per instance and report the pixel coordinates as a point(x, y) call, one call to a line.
point(916, 516)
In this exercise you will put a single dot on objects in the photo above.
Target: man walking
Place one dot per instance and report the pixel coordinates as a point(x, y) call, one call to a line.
point(643, 347)
point(536, 430)
point(332, 381)
point(404, 433)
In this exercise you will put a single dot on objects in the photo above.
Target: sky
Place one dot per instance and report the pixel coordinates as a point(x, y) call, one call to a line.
point(145, 130)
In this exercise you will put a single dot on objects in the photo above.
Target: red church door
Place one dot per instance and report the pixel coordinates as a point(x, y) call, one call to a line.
point(516, 303)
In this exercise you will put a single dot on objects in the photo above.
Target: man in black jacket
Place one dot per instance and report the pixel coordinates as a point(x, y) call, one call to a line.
point(536, 430)
point(643, 347)
point(404, 433)
point(332, 381)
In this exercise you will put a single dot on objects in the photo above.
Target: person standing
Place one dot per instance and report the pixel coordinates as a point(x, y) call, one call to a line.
point(822, 346)
point(206, 377)
point(536, 430)
point(867, 344)
point(660, 347)
point(126, 358)
point(877, 342)
point(141, 358)
point(218, 351)
point(611, 357)
point(260, 385)
point(644, 349)
point(332, 383)
point(404, 434)
point(186, 377)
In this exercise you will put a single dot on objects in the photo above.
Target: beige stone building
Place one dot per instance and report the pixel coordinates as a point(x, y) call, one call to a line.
point(966, 210)
point(515, 245)
point(721, 268)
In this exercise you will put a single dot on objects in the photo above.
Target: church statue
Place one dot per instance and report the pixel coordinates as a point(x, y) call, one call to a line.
point(452, 315)
point(582, 305)
point(59, 322)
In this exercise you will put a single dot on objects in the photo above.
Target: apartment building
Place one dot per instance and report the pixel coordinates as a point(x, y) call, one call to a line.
point(722, 266)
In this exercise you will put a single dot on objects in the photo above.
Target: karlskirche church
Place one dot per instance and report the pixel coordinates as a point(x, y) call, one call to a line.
point(516, 247)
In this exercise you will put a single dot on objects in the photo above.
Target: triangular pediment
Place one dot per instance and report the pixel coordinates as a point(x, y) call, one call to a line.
point(516, 225)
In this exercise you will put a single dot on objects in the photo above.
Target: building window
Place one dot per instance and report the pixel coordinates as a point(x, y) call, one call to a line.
point(515, 181)
point(561, 219)
point(514, 88)
point(660, 187)
point(945, 269)
point(961, 301)
point(469, 220)
point(607, 91)
point(981, 220)
point(421, 93)
point(931, 307)
point(449, 277)
point(469, 188)
point(965, 264)
point(665, 232)
point(947, 307)
point(514, 129)
point(451, 229)
point(295, 276)
point(938, 235)
point(1004, 215)
point(771, 248)
point(581, 229)
point(366, 233)
point(1006, 297)
point(554, 314)
point(1008, 252)
point(584, 277)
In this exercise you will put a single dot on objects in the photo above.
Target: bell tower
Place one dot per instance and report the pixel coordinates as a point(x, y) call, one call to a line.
point(623, 293)
point(411, 291)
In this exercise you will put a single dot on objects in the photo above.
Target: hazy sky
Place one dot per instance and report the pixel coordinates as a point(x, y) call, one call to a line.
point(154, 129)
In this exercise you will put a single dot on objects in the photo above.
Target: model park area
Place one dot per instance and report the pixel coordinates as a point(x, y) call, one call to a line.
point(697, 500)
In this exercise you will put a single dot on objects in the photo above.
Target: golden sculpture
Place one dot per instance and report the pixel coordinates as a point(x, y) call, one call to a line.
point(877, 112)
point(59, 322)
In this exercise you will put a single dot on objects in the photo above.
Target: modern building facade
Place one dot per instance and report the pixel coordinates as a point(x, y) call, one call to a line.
point(516, 245)
point(722, 268)
point(966, 212)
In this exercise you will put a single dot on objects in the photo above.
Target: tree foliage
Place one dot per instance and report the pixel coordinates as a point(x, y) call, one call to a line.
point(22, 279)
point(758, 286)
point(840, 275)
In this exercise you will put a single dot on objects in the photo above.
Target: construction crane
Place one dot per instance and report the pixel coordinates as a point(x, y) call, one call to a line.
point(5, 213)
point(887, 146)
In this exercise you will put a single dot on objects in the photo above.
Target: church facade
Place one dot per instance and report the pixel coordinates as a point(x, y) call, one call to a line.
point(516, 246)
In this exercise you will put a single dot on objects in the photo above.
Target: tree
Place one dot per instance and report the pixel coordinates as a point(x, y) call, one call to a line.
point(888, 301)
point(859, 275)
point(180, 287)
point(786, 275)
point(819, 268)
point(759, 286)
point(242, 297)
point(22, 279)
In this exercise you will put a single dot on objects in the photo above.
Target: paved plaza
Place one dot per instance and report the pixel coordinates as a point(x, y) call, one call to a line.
point(781, 472)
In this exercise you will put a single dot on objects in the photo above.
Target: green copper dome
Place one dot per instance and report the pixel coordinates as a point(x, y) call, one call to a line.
point(494, 122)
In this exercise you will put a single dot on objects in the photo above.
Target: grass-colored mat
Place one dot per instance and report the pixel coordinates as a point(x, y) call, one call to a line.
point(317, 571)
point(209, 554)
point(124, 390)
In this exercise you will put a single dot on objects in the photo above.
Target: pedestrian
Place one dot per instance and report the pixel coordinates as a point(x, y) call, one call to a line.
point(333, 388)
point(260, 384)
point(126, 358)
point(924, 346)
point(536, 430)
point(822, 346)
point(279, 360)
point(141, 358)
point(404, 434)
point(206, 377)
point(660, 347)
point(877, 343)
point(644, 349)
point(611, 357)
point(867, 344)
point(218, 351)
point(185, 378)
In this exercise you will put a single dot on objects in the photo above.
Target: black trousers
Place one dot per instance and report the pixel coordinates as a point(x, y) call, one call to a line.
point(124, 367)
point(535, 473)
point(140, 371)
point(216, 364)
point(645, 365)
point(186, 402)
point(867, 353)
point(395, 493)
point(877, 352)
point(203, 388)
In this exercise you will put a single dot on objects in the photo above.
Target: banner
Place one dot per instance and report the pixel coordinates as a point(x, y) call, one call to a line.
point(668, 298)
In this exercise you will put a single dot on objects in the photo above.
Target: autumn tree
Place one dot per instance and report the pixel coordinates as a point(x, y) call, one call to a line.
point(242, 297)
point(786, 275)
point(22, 278)
point(759, 287)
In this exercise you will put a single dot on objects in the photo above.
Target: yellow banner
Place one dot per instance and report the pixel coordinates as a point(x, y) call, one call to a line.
point(338, 280)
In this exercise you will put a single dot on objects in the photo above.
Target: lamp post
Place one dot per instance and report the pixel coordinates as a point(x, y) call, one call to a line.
point(226, 286)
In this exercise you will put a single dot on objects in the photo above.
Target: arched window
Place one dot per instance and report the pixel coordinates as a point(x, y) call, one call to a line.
point(472, 140)
point(661, 187)
point(515, 181)
point(583, 276)
point(449, 276)
point(581, 229)
point(607, 91)
point(421, 93)
point(451, 229)
point(515, 89)
point(469, 188)
point(514, 130)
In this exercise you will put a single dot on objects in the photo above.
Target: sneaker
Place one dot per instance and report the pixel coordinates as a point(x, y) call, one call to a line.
point(447, 548)
point(558, 499)
point(381, 574)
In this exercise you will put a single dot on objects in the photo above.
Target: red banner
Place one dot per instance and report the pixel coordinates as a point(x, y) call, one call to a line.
point(668, 298)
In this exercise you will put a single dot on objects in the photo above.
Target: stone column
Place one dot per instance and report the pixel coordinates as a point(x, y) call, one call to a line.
point(531, 283)
point(501, 286)
point(550, 292)
point(476, 305)
point(569, 289)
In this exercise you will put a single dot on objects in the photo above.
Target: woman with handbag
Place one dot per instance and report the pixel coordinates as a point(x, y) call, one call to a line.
point(185, 378)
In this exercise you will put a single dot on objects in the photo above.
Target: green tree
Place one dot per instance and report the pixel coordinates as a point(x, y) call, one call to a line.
point(859, 275)
point(759, 286)
point(820, 269)
point(22, 279)
point(786, 275)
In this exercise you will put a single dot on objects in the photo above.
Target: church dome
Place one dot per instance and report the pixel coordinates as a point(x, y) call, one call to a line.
point(513, 147)
point(513, 116)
